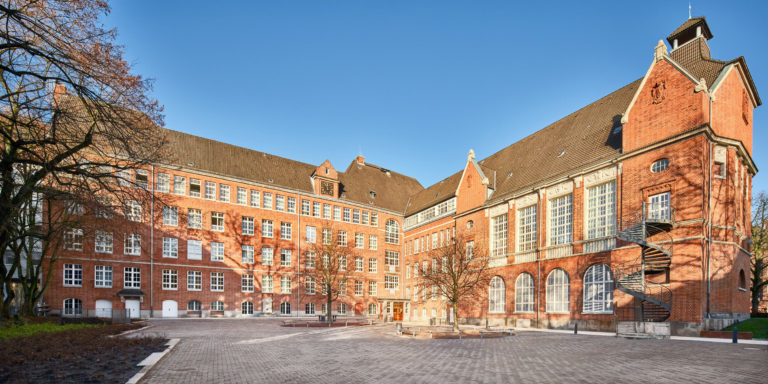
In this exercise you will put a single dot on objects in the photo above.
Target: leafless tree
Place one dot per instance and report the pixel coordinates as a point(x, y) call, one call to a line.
point(759, 261)
point(332, 267)
point(73, 117)
point(458, 270)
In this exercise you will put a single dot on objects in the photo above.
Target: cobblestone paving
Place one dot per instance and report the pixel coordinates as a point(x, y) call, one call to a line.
point(259, 350)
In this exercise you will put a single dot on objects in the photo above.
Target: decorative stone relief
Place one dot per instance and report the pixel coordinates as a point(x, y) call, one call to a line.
point(599, 177)
point(527, 200)
point(561, 189)
point(498, 210)
point(659, 91)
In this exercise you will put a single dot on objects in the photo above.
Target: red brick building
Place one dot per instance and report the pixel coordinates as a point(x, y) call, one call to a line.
point(635, 207)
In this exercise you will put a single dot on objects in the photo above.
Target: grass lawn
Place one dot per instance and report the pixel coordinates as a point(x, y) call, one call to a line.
point(757, 325)
point(13, 331)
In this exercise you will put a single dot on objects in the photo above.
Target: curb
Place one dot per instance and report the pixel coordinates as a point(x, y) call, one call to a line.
point(131, 331)
point(150, 361)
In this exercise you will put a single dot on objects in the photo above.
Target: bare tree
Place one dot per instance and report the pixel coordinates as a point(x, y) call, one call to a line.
point(333, 266)
point(458, 271)
point(73, 118)
point(759, 261)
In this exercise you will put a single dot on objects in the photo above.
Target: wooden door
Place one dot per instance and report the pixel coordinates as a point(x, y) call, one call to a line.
point(397, 311)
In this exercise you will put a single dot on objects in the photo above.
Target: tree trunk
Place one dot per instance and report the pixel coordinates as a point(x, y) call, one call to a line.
point(329, 310)
point(455, 316)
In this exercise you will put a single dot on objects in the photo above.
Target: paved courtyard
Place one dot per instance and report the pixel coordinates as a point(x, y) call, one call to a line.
point(259, 350)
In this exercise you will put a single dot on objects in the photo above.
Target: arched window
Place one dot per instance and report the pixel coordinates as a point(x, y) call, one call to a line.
point(524, 293)
point(496, 295)
point(193, 305)
point(392, 232)
point(73, 307)
point(217, 306)
point(247, 308)
point(372, 308)
point(598, 289)
point(659, 165)
point(285, 308)
point(742, 280)
point(557, 291)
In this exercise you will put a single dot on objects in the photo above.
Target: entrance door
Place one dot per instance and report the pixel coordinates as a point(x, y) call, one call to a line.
point(170, 308)
point(133, 308)
point(266, 305)
point(397, 311)
point(104, 309)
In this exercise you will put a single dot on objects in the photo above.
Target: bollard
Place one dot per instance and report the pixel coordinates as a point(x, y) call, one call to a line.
point(735, 335)
point(576, 329)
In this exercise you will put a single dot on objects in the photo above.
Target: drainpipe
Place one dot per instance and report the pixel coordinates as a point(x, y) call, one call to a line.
point(298, 257)
point(709, 230)
point(151, 244)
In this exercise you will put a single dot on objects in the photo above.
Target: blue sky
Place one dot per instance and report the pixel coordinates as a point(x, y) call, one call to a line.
point(411, 85)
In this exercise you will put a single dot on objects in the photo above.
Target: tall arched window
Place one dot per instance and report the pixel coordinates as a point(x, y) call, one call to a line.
point(557, 291)
point(496, 295)
point(524, 291)
point(193, 305)
point(217, 306)
point(742, 280)
point(247, 308)
point(598, 289)
point(73, 307)
point(392, 232)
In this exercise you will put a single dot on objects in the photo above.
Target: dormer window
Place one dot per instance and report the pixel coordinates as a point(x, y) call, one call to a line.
point(373, 194)
point(326, 170)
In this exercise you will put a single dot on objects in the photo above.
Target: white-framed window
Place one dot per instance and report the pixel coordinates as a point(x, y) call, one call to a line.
point(285, 308)
point(123, 177)
point(194, 218)
point(659, 165)
point(217, 281)
point(326, 211)
point(170, 247)
point(342, 239)
point(309, 309)
point(246, 308)
point(255, 198)
point(217, 221)
point(73, 307)
point(194, 188)
point(133, 210)
point(194, 281)
point(217, 305)
point(279, 203)
point(373, 242)
point(496, 295)
point(194, 250)
point(372, 265)
point(242, 196)
point(267, 201)
point(560, 220)
point(210, 190)
point(267, 256)
point(163, 183)
point(310, 285)
point(434, 240)
point(266, 228)
point(372, 288)
point(217, 251)
point(285, 257)
point(392, 232)
point(73, 275)
point(179, 185)
point(286, 230)
point(407, 271)
point(374, 219)
point(364, 220)
point(359, 240)
point(526, 228)
point(524, 293)
point(305, 208)
point(598, 289)
point(247, 254)
point(266, 284)
point(194, 305)
point(103, 276)
point(327, 236)
point(416, 270)
point(132, 244)
point(224, 193)
point(170, 279)
point(170, 216)
point(342, 287)
point(499, 231)
point(291, 205)
point(104, 242)
point(372, 309)
point(658, 206)
point(132, 277)
point(342, 262)
point(358, 288)
point(309, 260)
point(356, 216)
point(336, 213)
point(359, 264)
point(285, 284)
point(391, 282)
point(142, 179)
point(391, 258)
point(246, 283)
point(347, 215)
point(311, 234)
point(601, 210)
point(247, 226)
point(557, 291)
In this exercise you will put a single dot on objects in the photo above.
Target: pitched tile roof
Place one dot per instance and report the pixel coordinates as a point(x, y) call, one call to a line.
point(440, 191)
point(689, 25)
point(392, 189)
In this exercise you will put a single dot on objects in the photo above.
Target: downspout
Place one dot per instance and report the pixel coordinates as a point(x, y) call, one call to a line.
point(152, 244)
point(709, 214)
point(538, 259)
point(298, 258)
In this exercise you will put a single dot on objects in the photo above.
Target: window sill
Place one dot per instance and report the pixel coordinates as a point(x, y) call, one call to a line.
point(170, 289)
point(742, 289)
point(557, 313)
point(523, 312)
point(597, 313)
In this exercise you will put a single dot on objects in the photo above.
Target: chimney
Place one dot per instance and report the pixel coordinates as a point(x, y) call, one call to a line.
point(58, 90)
point(360, 159)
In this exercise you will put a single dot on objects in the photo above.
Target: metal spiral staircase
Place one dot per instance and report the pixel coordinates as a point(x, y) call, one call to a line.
point(654, 300)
